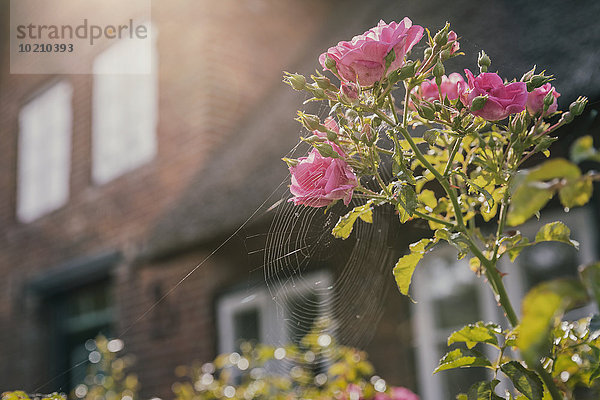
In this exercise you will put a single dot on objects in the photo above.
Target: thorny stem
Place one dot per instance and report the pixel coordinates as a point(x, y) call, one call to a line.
point(496, 282)
point(491, 272)
point(501, 222)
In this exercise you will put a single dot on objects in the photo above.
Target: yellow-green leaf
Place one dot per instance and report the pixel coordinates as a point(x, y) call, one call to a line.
point(343, 228)
point(576, 193)
point(541, 308)
point(462, 358)
point(405, 267)
point(583, 149)
point(555, 232)
point(475, 333)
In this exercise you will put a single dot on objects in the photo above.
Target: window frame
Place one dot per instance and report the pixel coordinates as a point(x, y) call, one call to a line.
point(272, 311)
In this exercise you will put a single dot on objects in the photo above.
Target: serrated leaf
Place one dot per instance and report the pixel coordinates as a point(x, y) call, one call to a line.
point(541, 308)
point(576, 193)
point(343, 228)
point(462, 358)
point(405, 267)
point(473, 334)
point(484, 391)
point(524, 380)
point(556, 232)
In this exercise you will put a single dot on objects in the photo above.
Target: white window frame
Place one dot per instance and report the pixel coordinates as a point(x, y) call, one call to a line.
point(269, 303)
point(42, 189)
point(122, 141)
point(427, 336)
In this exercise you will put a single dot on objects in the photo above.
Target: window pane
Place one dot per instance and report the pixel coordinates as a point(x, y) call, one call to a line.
point(246, 325)
point(125, 108)
point(44, 153)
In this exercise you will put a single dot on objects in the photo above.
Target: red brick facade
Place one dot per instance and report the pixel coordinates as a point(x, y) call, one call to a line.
point(216, 61)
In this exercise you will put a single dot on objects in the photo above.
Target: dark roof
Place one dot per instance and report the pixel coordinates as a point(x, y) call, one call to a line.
point(561, 37)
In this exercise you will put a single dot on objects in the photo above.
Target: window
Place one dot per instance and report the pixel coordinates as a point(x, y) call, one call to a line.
point(44, 157)
point(279, 317)
point(76, 304)
point(449, 296)
point(125, 108)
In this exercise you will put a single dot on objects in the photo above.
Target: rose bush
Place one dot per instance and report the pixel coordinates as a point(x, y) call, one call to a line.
point(502, 99)
point(455, 161)
point(363, 59)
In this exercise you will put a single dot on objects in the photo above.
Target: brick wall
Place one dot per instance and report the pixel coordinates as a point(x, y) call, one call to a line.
point(216, 61)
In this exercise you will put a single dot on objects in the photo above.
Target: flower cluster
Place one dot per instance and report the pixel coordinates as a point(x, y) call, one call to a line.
point(368, 67)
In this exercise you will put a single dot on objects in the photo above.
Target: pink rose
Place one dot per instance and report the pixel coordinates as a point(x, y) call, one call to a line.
point(381, 396)
point(318, 181)
point(502, 100)
point(449, 88)
point(363, 58)
point(402, 393)
point(535, 100)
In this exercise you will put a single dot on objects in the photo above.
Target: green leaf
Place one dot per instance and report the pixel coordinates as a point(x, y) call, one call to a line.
point(583, 149)
point(556, 232)
point(326, 150)
point(524, 380)
point(405, 267)
point(343, 228)
point(541, 309)
point(456, 239)
point(555, 168)
point(530, 194)
point(475, 333)
point(407, 198)
point(462, 358)
point(484, 391)
point(576, 193)
point(526, 202)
